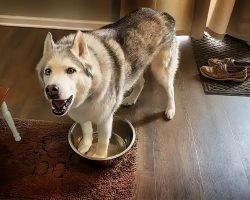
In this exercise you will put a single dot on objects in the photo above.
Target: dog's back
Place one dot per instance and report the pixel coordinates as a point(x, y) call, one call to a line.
point(139, 36)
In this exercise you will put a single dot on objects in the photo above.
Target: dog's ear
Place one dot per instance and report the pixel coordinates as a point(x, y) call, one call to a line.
point(79, 46)
point(48, 44)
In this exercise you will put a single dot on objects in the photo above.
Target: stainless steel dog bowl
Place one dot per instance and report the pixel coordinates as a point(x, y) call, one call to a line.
point(122, 139)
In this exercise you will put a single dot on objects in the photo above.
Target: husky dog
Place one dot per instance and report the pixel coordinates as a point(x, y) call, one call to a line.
point(86, 74)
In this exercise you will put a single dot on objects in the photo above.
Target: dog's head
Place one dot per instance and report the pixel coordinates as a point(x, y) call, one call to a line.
point(64, 72)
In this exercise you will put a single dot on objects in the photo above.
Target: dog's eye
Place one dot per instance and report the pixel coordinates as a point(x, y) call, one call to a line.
point(70, 70)
point(47, 71)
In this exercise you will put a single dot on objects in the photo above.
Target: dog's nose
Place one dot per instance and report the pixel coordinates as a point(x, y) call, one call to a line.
point(52, 91)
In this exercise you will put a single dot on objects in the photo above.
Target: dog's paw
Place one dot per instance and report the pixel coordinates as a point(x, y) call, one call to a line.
point(94, 153)
point(169, 113)
point(99, 155)
point(84, 147)
point(128, 102)
point(98, 151)
point(91, 151)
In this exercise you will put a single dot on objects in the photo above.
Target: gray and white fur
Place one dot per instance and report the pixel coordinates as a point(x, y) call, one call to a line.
point(86, 75)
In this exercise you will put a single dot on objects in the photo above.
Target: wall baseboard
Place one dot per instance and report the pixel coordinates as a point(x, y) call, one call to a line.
point(39, 22)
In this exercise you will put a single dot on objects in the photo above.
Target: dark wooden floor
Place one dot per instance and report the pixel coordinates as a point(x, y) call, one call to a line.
point(203, 153)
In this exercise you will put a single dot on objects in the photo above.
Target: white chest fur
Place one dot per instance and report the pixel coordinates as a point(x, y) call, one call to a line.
point(89, 111)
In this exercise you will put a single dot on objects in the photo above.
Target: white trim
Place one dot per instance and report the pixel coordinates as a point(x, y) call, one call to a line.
point(56, 23)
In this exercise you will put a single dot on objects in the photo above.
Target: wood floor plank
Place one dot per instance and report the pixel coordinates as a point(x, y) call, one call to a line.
point(145, 158)
point(238, 117)
point(176, 164)
point(222, 172)
point(6, 34)
point(166, 146)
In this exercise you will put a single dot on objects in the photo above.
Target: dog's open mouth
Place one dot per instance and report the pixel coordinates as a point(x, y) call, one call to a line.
point(59, 107)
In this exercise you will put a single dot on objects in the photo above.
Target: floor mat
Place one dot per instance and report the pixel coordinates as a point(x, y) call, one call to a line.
point(208, 47)
point(43, 166)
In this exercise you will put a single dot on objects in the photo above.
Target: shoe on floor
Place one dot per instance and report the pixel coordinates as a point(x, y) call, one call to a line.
point(223, 73)
point(230, 62)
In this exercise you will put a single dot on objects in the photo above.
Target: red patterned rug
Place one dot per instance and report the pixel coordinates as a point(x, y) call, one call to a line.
point(43, 166)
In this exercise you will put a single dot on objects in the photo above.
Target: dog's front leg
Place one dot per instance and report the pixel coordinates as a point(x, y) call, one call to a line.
point(104, 130)
point(87, 139)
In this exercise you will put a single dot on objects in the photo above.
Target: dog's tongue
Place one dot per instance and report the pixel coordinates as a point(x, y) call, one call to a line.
point(59, 103)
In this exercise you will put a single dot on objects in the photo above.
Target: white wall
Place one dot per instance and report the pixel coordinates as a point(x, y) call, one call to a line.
point(63, 11)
